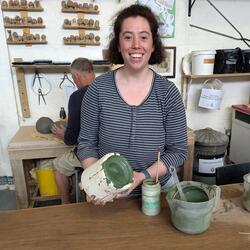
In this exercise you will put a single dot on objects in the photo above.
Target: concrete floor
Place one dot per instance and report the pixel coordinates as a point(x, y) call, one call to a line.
point(7, 199)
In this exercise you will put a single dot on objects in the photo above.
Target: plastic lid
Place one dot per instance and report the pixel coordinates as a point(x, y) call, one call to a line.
point(210, 137)
point(203, 52)
point(118, 171)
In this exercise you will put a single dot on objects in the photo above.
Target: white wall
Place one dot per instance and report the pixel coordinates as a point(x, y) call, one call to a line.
point(186, 39)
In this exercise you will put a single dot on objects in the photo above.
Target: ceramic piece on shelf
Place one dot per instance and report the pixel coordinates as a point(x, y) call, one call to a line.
point(75, 5)
point(37, 4)
point(37, 37)
point(6, 20)
point(97, 38)
point(23, 4)
point(67, 22)
point(96, 7)
point(43, 38)
point(91, 22)
point(4, 4)
point(31, 5)
point(11, 3)
point(29, 20)
point(40, 20)
point(63, 4)
point(85, 6)
point(91, 37)
point(10, 37)
point(97, 24)
point(16, 3)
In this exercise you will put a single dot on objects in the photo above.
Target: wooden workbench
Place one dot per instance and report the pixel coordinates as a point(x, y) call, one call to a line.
point(24, 146)
point(122, 225)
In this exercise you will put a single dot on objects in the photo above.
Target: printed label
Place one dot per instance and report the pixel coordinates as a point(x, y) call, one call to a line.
point(208, 166)
point(208, 61)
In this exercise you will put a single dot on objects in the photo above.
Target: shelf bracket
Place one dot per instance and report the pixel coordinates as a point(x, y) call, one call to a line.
point(190, 5)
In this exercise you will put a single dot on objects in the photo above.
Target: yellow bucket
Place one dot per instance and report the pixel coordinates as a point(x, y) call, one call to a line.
point(46, 182)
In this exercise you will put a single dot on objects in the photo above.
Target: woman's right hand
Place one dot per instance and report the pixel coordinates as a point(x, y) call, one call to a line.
point(96, 202)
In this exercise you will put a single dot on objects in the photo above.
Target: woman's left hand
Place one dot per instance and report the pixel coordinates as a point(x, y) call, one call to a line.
point(138, 178)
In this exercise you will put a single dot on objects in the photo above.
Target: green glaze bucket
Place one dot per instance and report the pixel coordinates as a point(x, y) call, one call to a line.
point(246, 195)
point(194, 215)
point(107, 177)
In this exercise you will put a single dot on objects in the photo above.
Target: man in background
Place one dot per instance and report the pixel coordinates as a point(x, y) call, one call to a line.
point(83, 74)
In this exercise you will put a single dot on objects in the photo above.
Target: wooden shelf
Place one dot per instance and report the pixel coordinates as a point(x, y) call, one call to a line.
point(218, 75)
point(87, 11)
point(22, 9)
point(30, 43)
point(76, 27)
point(32, 26)
point(82, 43)
point(54, 66)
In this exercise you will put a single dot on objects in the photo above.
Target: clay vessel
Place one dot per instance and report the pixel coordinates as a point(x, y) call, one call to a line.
point(43, 125)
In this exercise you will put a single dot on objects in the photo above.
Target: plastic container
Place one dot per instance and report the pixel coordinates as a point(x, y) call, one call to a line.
point(46, 182)
point(194, 215)
point(151, 197)
point(209, 153)
point(246, 195)
point(203, 62)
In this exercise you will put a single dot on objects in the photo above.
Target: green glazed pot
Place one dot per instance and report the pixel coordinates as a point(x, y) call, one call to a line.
point(194, 215)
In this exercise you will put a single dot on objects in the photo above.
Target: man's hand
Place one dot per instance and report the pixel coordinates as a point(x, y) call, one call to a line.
point(58, 131)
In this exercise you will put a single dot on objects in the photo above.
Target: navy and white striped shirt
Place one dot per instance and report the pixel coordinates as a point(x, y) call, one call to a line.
point(109, 124)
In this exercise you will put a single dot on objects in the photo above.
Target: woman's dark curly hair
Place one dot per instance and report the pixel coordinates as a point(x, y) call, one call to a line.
point(158, 55)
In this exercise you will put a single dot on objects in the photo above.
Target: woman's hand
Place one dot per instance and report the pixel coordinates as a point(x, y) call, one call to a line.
point(138, 178)
point(96, 202)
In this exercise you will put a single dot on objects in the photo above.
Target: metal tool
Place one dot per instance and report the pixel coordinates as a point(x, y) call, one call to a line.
point(37, 76)
point(65, 77)
point(38, 86)
point(40, 94)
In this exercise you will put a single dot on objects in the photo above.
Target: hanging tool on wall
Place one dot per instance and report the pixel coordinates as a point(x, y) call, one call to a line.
point(41, 86)
point(241, 38)
point(65, 78)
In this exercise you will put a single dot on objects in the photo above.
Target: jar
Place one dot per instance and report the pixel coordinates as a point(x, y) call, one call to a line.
point(246, 195)
point(151, 197)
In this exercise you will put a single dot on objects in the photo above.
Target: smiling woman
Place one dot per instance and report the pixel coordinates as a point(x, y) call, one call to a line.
point(134, 111)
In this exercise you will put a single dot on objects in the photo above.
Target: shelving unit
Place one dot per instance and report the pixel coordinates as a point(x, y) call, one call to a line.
point(26, 38)
point(81, 24)
point(58, 68)
point(186, 81)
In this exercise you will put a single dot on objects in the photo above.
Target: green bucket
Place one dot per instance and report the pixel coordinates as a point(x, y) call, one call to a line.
point(194, 215)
